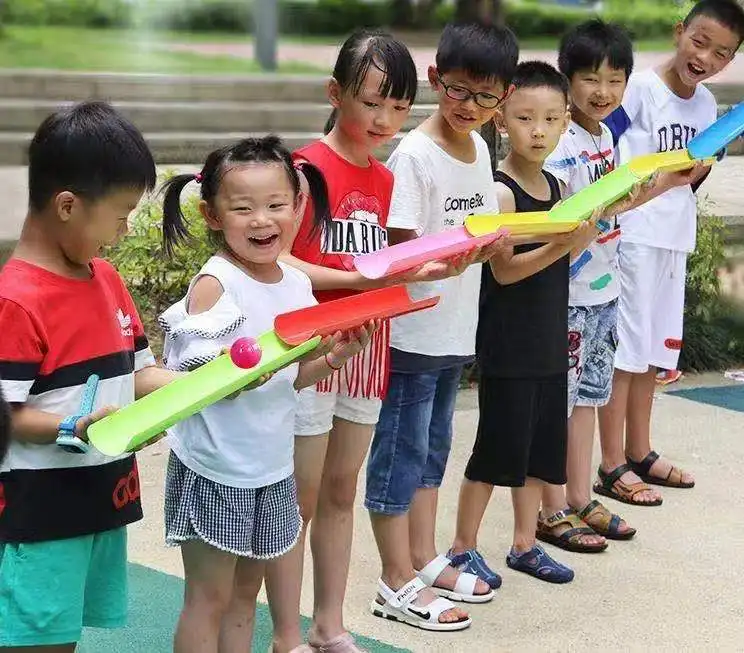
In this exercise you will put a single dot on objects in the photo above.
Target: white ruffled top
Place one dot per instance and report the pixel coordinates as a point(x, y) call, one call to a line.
point(248, 441)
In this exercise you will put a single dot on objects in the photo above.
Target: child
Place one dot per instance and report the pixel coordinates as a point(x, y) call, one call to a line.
point(230, 499)
point(597, 59)
point(442, 174)
point(373, 86)
point(662, 110)
point(522, 394)
point(65, 315)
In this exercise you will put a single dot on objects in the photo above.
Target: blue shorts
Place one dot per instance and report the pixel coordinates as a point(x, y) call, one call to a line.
point(50, 590)
point(592, 343)
point(412, 439)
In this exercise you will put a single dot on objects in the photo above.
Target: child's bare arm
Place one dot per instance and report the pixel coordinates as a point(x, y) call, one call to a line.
point(39, 427)
point(332, 354)
point(151, 378)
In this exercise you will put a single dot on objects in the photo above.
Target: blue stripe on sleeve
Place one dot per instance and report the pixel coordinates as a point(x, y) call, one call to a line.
point(618, 122)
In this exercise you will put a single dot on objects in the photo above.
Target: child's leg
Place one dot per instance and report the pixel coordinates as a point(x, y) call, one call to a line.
point(284, 575)
point(236, 631)
point(639, 277)
point(667, 311)
point(210, 577)
point(423, 511)
point(332, 531)
point(394, 470)
point(471, 506)
point(526, 506)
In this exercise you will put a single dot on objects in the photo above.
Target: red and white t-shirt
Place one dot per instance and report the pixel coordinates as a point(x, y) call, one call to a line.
point(359, 199)
point(56, 332)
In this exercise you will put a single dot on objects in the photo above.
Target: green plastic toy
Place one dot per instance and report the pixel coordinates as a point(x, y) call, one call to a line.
point(138, 423)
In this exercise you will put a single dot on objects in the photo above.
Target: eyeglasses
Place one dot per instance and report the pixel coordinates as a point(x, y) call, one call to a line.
point(484, 100)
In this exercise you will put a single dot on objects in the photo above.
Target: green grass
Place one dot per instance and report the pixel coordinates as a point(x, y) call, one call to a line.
point(69, 48)
point(65, 48)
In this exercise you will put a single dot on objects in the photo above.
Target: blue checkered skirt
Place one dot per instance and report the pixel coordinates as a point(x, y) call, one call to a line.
point(259, 523)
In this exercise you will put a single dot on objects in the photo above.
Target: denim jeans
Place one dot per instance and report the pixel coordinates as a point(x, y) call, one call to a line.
point(412, 439)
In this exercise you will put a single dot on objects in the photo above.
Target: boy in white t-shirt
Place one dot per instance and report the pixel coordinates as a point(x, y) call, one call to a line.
point(662, 110)
point(597, 59)
point(442, 174)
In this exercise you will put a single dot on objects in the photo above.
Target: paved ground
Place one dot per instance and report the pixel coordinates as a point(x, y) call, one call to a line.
point(324, 56)
point(724, 188)
point(673, 588)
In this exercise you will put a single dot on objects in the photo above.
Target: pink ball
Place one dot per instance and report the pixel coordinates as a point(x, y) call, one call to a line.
point(245, 353)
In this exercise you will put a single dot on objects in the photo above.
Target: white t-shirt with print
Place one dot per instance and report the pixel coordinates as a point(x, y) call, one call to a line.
point(578, 161)
point(660, 121)
point(434, 192)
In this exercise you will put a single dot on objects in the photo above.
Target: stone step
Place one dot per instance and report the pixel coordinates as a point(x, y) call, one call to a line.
point(174, 147)
point(25, 115)
point(71, 85)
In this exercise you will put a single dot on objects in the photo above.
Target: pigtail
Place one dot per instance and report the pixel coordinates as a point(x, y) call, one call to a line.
point(319, 194)
point(4, 427)
point(330, 123)
point(175, 227)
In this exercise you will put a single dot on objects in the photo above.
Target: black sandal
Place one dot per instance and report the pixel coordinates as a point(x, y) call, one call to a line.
point(610, 485)
point(644, 467)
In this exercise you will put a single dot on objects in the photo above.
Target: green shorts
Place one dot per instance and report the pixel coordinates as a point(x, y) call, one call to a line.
point(50, 590)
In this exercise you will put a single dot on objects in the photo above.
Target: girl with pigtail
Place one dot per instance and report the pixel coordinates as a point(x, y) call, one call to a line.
point(348, 197)
point(230, 497)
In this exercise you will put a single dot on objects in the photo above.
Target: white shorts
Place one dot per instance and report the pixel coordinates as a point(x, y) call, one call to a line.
point(316, 411)
point(651, 307)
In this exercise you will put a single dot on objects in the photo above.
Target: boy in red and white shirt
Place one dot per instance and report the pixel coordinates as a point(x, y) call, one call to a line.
point(66, 315)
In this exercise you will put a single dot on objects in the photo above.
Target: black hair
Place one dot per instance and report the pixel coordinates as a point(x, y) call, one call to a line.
point(89, 149)
point(590, 43)
point(538, 74)
point(727, 12)
point(367, 48)
point(4, 427)
point(482, 51)
point(268, 149)
point(360, 52)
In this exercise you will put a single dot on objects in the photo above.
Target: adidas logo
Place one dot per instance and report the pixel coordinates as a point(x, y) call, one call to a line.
point(125, 322)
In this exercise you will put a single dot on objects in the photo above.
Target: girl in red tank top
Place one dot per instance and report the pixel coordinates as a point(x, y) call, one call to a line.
point(348, 197)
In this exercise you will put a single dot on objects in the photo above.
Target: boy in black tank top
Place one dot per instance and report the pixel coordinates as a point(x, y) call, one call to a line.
point(521, 341)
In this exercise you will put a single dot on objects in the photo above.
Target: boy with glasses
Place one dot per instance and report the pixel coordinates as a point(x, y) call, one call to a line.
point(442, 174)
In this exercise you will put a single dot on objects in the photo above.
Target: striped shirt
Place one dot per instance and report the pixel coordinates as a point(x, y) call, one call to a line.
point(57, 331)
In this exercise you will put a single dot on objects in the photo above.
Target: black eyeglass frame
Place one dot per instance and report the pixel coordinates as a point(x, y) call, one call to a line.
point(467, 94)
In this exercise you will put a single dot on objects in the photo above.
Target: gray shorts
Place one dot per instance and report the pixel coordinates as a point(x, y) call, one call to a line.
point(592, 342)
point(259, 523)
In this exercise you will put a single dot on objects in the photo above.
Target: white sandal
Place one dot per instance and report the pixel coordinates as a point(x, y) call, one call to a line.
point(464, 587)
point(399, 606)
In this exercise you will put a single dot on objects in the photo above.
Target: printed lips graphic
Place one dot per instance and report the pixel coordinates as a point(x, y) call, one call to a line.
point(356, 206)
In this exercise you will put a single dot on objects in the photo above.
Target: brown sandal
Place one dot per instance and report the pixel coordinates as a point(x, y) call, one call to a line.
point(610, 485)
point(569, 540)
point(643, 469)
point(604, 522)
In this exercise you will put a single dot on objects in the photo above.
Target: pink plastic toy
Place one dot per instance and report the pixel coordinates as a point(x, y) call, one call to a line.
point(245, 353)
point(408, 255)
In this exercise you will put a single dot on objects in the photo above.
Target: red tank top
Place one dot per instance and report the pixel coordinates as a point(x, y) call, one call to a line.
point(359, 199)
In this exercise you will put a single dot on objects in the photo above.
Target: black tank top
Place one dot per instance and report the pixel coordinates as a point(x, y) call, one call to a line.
point(523, 327)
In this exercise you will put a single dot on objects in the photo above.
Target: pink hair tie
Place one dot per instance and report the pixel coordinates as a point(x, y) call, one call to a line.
point(198, 178)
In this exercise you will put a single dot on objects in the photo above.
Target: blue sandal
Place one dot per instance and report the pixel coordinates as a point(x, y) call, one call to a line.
point(472, 562)
point(539, 564)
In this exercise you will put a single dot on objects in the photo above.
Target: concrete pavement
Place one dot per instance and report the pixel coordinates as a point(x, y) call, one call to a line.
point(674, 587)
